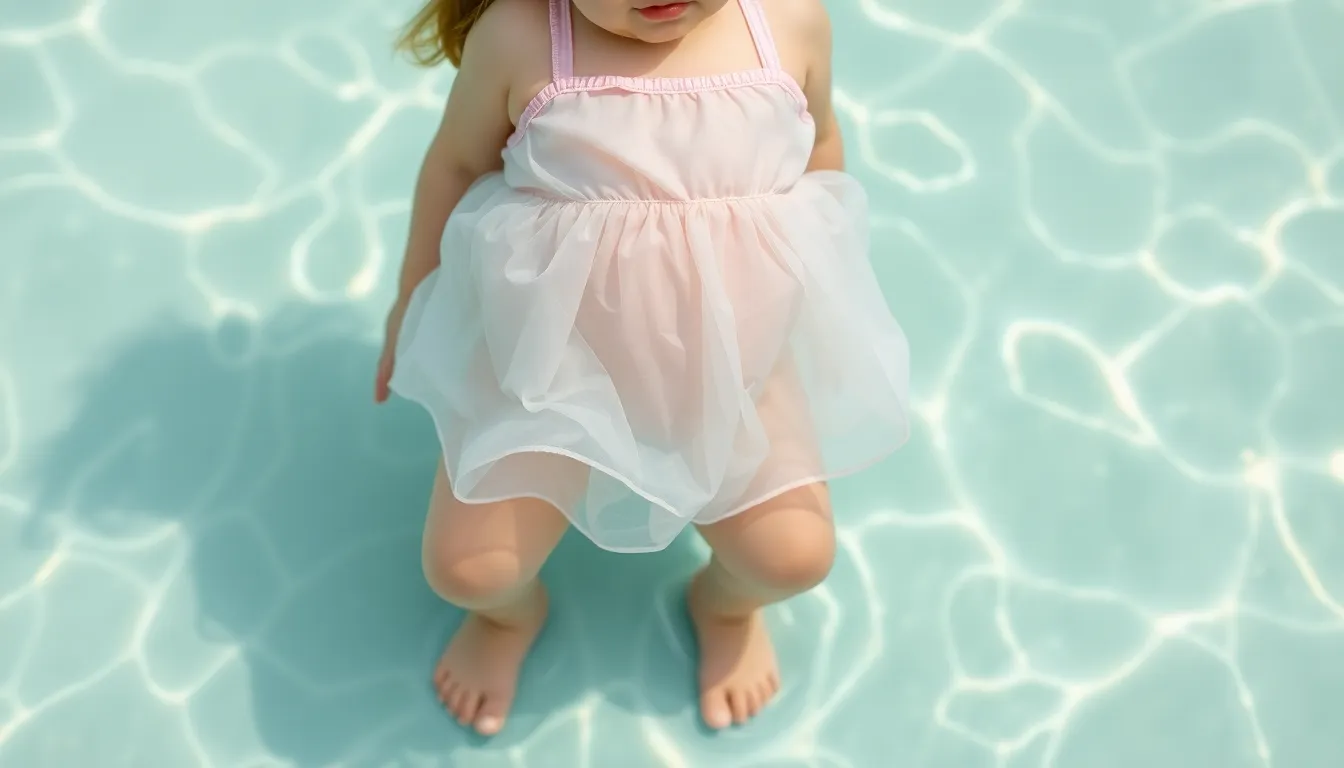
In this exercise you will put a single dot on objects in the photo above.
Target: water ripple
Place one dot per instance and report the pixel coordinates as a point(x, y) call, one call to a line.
point(1114, 232)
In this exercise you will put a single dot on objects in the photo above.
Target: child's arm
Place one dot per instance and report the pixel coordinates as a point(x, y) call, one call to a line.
point(468, 143)
point(828, 152)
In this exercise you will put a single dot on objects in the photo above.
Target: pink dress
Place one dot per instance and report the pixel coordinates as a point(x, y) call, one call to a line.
point(653, 316)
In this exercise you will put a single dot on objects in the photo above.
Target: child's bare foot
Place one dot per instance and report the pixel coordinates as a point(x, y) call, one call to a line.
point(738, 672)
point(478, 673)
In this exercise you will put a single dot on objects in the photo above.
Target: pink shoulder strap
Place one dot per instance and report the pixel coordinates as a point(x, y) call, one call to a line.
point(562, 41)
point(754, 13)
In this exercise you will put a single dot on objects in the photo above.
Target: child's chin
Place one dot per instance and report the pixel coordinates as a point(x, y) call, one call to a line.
point(666, 31)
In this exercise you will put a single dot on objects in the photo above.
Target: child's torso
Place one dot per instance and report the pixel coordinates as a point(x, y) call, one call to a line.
point(738, 134)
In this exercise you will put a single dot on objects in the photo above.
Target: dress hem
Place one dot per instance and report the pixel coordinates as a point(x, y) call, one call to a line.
point(823, 477)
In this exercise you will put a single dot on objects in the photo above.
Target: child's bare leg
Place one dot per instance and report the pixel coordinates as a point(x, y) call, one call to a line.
point(485, 558)
point(770, 552)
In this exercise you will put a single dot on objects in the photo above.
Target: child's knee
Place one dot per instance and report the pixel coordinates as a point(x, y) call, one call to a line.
point(789, 552)
point(783, 546)
point(799, 561)
point(477, 581)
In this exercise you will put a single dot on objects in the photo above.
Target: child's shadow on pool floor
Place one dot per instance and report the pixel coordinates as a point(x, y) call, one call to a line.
point(303, 503)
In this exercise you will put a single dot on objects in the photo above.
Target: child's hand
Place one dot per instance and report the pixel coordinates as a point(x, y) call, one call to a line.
point(387, 360)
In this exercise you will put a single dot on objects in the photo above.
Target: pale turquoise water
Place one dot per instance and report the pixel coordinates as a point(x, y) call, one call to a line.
point(1113, 230)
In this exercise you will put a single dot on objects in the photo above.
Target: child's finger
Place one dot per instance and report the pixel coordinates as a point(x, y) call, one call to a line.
point(380, 387)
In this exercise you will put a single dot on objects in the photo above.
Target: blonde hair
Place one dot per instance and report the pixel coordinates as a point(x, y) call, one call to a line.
point(439, 30)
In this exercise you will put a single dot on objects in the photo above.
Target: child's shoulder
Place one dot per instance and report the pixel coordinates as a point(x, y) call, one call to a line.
point(522, 16)
point(802, 32)
point(512, 30)
point(803, 19)
point(509, 46)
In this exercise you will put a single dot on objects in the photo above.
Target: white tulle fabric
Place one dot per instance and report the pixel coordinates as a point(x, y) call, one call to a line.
point(653, 316)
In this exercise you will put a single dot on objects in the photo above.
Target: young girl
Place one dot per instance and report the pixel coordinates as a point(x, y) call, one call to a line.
point(650, 307)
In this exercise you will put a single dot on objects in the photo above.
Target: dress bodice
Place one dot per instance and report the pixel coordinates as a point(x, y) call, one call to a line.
point(605, 138)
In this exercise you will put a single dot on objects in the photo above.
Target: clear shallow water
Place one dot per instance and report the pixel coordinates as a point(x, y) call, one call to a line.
point(1114, 232)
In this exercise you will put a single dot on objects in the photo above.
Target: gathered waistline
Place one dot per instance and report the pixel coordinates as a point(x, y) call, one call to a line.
point(554, 198)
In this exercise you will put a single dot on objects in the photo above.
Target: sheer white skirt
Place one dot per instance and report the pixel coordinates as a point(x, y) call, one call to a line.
point(648, 365)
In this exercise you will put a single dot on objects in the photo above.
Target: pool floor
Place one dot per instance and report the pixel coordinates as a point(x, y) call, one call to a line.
point(1114, 232)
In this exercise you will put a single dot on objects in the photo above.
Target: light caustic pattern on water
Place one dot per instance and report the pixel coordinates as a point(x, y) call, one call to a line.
point(1113, 230)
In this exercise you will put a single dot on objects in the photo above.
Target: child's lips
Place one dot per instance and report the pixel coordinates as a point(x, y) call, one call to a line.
point(664, 12)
